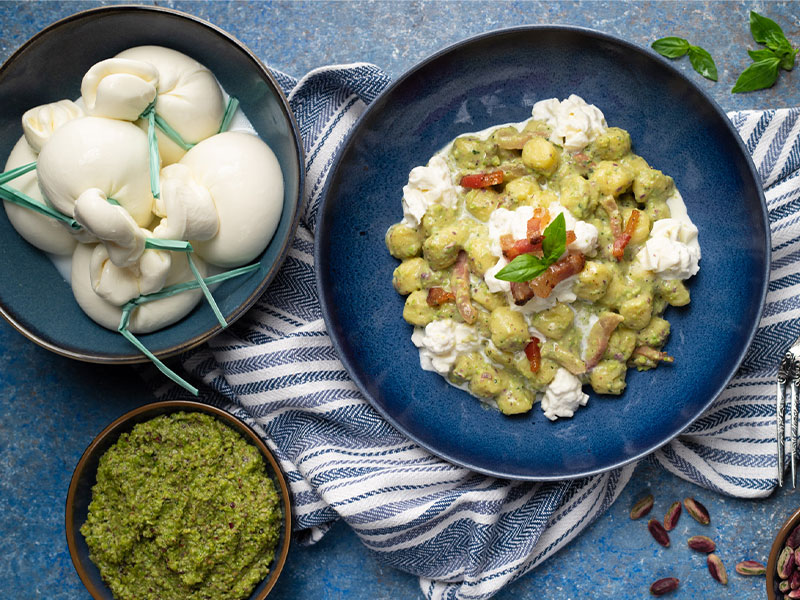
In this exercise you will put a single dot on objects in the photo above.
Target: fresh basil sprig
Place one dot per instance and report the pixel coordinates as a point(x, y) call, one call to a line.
point(675, 47)
point(527, 266)
point(767, 62)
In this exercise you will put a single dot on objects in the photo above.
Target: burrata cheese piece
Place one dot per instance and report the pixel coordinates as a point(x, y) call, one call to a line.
point(94, 152)
point(146, 317)
point(245, 181)
point(40, 230)
point(112, 225)
point(119, 88)
point(39, 122)
point(189, 98)
point(186, 208)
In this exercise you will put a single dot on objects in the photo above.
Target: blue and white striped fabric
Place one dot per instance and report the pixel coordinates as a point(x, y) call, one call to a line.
point(465, 535)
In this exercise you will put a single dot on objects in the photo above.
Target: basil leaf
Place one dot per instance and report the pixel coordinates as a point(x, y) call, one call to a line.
point(762, 54)
point(523, 268)
point(555, 239)
point(787, 62)
point(759, 75)
point(702, 62)
point(764, 30)
point(779, 44)
point(671, 47)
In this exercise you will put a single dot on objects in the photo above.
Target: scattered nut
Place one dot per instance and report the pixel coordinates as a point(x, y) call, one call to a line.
point(717, 569)
point(658, 532)
point(672, 516)
point(702, 543)
point(750, 567)
point(642, 507)
point(664, 586)
point(698, 511)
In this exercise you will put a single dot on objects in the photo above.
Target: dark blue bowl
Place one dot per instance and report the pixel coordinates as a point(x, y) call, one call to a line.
point(492, 79)
point(85, 476)
point(34, 297)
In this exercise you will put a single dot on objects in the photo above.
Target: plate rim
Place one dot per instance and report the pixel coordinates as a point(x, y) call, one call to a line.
point(319, 257)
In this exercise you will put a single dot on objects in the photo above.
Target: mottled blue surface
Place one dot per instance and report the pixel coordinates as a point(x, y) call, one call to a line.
point(51, 407)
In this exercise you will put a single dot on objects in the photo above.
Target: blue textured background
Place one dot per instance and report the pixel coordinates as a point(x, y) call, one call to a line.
point(51, 407)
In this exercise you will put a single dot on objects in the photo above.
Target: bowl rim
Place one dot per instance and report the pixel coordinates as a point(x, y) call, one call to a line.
point(174, 406)
point(137, 357)
point(326, 303)
point(777, 545)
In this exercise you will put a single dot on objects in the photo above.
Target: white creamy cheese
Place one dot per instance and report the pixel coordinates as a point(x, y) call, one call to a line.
point(112, 225)
point(672, 250)
point(39, 123)
point(563, 396)
point(186, 208)
point(118, 285)
point(427, 186)
point(119, 88)
point(93, 152)
point(440, 343)
point(244, 179)
point(574, 122)
point(189, 97)
point(43, 232)
point(145, 318)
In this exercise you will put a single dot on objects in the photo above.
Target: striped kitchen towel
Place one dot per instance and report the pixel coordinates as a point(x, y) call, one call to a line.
point(465, 535)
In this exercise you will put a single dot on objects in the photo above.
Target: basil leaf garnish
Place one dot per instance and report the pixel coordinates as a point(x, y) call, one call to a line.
point(761, 74)
point(787, 61)
point(523, 268)
point(702, 62)
point(762, 54)
point(527, 266)
point(671, 47)
point(764, 30)
point(555, 239)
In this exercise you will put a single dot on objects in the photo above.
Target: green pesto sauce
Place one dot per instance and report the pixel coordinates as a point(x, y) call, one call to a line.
point(182, 509)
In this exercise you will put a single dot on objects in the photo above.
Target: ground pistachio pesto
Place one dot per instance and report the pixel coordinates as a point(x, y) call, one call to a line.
point(183, 509)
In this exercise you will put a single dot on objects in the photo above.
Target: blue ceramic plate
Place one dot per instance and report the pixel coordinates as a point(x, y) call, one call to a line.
point(34, 298)
point(492, 79)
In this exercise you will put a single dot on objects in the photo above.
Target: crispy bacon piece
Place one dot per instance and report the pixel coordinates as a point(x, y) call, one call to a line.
point(438, 296)
point(534, 354)
point(556, 273)
point(460, 284)
point(610, 206)
point(513, 248)
point(653, 354)
point(599, 335)
point(534, 230)
point(482, 180)
point(543, 215)
point(521, 291)
point(618, 249)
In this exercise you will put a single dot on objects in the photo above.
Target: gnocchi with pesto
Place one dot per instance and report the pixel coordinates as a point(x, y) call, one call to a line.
point(480, 213)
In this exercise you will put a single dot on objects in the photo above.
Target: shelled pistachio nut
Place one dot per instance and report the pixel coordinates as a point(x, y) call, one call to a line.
point(717, 569)
point(697, 510)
